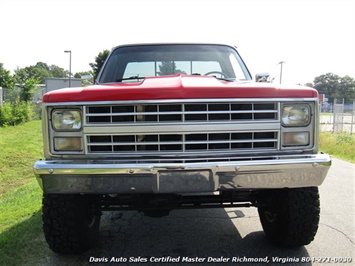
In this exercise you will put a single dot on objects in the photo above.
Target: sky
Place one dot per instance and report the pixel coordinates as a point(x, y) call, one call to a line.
point(312, 37)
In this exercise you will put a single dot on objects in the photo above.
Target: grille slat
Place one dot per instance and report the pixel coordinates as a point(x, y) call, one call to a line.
point(182, 112)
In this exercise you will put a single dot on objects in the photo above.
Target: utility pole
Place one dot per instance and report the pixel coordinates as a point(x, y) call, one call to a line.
point(69, 51)
point(281, 63)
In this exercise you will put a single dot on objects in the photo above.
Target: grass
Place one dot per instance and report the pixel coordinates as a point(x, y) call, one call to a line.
point(20, 146)
point(21, 236)
point(340, 145)
point(21, 226)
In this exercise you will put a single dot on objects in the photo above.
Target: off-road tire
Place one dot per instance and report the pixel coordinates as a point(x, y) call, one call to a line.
point(290, 217)
point(70, 222)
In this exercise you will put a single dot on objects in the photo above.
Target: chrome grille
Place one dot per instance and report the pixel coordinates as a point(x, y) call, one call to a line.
point(181, 129)
point(179, 143)
point(181, 112)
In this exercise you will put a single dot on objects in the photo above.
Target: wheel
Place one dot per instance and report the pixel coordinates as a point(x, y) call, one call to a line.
point(290, 217)
point(218, 73)
point(70, 222)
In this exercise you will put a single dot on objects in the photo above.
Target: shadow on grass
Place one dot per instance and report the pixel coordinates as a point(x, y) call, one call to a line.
point(23, 243)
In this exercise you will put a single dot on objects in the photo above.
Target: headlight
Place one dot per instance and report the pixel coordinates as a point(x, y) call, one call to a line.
point(67, 144)
point(296, 115)
point(295, 139)
point(66, 120)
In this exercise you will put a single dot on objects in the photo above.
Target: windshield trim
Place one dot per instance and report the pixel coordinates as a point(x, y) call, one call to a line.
point(242, 65)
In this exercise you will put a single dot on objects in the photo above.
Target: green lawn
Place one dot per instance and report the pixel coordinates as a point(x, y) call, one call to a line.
point(341, 145)
point(20, 195)
point(20, 146)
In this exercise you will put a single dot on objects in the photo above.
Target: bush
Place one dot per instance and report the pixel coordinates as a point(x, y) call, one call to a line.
point(5, 114)
point(12, 114)
point(37, 111)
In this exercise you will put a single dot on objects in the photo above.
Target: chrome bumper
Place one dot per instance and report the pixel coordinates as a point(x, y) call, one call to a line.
point(103, 176)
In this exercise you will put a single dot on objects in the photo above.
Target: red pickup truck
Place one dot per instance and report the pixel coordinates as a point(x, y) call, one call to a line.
point(176, 126)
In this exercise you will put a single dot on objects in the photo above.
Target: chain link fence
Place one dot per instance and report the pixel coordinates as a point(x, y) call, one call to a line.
point(340, 118)
point(10, 104)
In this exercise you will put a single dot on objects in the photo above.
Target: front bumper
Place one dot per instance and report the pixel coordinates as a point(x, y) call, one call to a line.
point(112, 177)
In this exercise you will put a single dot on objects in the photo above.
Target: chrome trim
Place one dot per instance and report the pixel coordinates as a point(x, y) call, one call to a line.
point(168, 101)
point(110, 176)
point(309, 128)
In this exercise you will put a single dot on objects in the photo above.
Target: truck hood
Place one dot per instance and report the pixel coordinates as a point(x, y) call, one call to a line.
point(177, 87)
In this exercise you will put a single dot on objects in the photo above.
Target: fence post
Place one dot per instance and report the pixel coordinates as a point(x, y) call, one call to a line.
point(338, 121)
point(352, 117)
point(334, 115)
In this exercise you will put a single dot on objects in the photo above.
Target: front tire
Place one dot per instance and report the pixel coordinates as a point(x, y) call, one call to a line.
point(70, 222)
point(290, 217)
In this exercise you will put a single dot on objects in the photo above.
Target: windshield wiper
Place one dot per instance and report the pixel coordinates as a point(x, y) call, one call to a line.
point(226, 79)
point(130, 78)
point(219, 78)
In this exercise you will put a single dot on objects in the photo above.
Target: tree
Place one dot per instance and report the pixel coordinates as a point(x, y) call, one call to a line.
point(78, 75)
point(85, 81)
point(99, 61)
point(28, 89)
point(347, 88)
point(40, 71)
point(309, 84)
point(58, 72)
point(335, 87)
point(169, 68)
point(6, 80)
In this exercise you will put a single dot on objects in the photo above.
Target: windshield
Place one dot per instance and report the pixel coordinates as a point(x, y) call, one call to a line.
point(134, 63)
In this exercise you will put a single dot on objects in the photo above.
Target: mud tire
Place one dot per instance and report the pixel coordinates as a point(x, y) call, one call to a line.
point(70, 222)
point(290, 217)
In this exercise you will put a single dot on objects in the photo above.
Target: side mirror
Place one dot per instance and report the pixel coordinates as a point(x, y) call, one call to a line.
point(263, 77)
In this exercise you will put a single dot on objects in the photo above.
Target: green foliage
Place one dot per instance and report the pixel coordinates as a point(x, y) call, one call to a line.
point(6, 114)
point(335, 87)
point(40, 71)
point(6, 80)
point(78, 75)
point(12, 114)
point(36, 111)
point(18, 107)
point(99, 61)
point(11, 95)
point(28, 89)
point(309, 84)
point(85, 82)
